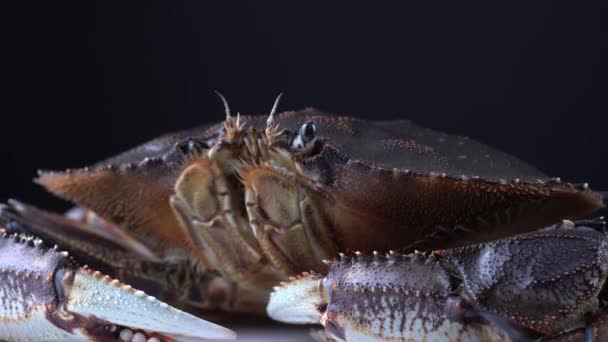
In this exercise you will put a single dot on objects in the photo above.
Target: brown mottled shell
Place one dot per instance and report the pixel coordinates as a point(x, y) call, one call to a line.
point(386, 145)
point(382, 185)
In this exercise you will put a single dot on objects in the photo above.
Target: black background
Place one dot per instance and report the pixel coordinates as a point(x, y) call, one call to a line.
point(89, 79)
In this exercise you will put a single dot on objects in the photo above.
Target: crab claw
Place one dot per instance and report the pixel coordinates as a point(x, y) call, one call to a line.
point(297, 302)
point(548, 285)
point(45, 296)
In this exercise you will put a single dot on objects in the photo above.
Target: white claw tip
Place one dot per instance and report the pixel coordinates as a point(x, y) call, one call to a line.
point(296, 302)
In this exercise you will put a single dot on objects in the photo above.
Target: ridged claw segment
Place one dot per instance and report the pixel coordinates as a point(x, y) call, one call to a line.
point(93, 295)
point(44, 296)
point(542, 281)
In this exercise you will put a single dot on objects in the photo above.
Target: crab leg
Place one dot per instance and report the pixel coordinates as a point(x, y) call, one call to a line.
point(540, 285)
point(45, 296)
point(110, 243)
point(116, 253)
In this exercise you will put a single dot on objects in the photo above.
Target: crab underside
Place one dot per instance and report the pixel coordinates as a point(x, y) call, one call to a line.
point(431, 237)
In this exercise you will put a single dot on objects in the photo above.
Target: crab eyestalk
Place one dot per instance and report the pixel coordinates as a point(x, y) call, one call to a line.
point(544, 284)
point(45, 296)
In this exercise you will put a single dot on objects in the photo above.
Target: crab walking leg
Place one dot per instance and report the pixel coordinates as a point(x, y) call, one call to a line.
point(44, 296)
point(544, 284)
point(178, 280)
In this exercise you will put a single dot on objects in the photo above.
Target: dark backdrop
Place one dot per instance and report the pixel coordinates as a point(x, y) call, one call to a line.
point(90, 79)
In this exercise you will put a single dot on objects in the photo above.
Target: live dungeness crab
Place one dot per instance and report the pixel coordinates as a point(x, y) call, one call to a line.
point(215, 217)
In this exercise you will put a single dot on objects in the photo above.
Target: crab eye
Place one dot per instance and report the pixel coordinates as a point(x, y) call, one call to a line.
point(304, 141)
point(308, 131)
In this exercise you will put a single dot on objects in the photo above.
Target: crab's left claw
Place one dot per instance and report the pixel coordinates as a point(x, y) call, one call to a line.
point(45, 296)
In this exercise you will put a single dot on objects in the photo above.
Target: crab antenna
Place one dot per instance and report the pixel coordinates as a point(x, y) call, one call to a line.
point(226, 107)
point(270, 120)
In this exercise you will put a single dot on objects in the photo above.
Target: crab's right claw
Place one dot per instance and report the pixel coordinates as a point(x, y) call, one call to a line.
point(44, 296)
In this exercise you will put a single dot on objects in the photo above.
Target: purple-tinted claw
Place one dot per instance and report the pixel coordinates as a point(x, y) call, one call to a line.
point(44, 296)
point(548, 285)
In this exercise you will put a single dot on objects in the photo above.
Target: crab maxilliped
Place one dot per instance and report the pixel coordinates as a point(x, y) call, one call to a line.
point(214, 217)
